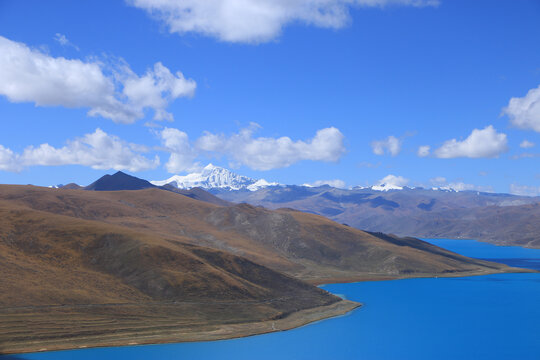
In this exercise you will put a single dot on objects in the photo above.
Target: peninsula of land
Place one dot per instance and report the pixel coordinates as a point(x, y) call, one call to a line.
point(86, 268)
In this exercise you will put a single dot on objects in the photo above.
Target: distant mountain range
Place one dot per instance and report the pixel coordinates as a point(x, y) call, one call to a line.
point(502, 219)
point(217, 178)
point(122, 181)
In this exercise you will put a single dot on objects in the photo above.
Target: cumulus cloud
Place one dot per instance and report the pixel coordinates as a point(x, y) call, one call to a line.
point(258, 153)
point(263, 153)
point(391, 145)
point(524, 112)
point(423, 151)
point(485, 143)
point(340, 184)
point(182, 154)
point(393, 180)
point(97, 150)
point(524, 190)
point(8, 160)
point(156, 89)
point(29, 75)
point(255, 21)
point(526, 144)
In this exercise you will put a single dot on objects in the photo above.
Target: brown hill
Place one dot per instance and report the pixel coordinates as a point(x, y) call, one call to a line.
point(304, 245)
point(151, 265)
point(69, 282)
point(197, 194)
point(71, 186)
point(122, 181)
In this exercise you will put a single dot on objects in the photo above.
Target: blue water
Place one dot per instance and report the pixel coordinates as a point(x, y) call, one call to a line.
point(510, 255)
point(482, 317)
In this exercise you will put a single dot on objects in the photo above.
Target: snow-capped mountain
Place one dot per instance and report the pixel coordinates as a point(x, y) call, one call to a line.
point(212, 177)
point(381, 187)
point(386, 187)
point(218, 178)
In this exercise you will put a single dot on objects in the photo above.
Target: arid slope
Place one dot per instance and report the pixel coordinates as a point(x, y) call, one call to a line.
point(303, 245)
point(94, 268)
point(502, 219)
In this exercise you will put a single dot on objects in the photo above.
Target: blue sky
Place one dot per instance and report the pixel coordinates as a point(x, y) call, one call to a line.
point(356, 87)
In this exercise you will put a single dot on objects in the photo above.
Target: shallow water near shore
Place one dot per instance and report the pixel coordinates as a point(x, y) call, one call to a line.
point(479, 317)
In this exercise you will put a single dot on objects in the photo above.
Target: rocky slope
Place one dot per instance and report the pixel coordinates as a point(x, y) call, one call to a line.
point(497, 218)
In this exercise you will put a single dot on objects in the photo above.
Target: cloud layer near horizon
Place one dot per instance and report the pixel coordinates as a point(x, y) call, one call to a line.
point(256, 21)
point(97, 150)
point(100, 150)
point(258, 153)
point(393, 180)
point(30, 75)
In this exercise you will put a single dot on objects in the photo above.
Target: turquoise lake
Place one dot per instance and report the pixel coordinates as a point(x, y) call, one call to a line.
point(480, 317)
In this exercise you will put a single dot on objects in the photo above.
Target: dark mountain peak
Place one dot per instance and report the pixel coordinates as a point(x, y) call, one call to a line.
point(119, 181)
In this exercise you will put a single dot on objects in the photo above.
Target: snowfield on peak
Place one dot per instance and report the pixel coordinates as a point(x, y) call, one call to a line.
point(386, 187)
point(212, 177)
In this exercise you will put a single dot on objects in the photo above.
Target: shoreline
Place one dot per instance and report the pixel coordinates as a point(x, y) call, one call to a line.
point(377, 277)
point(233, 331)
point(220, 332)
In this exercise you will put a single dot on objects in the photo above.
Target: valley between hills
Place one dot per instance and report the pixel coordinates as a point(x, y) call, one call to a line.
point(84, 268)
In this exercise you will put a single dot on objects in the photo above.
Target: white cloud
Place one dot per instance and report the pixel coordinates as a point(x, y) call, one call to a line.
point(524, 190)
point(461, 186)
point(485, 143)
point(442, 183)
point(526, 144)
point(390, 145)
point(63, 40)
point(255, 21)
point(29, 75)
point(340, 184)
point(182, 154)
point(525, 156)
point(97, 150)
point(524, 112)
point(393, 180)
point(424, 151)
point(365, 164)
point(257, 153)
point(439, 181)
point(156, 89)
point(8, 160)
point(270, 153)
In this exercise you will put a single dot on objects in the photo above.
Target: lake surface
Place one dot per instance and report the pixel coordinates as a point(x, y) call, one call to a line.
point(481, 317)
